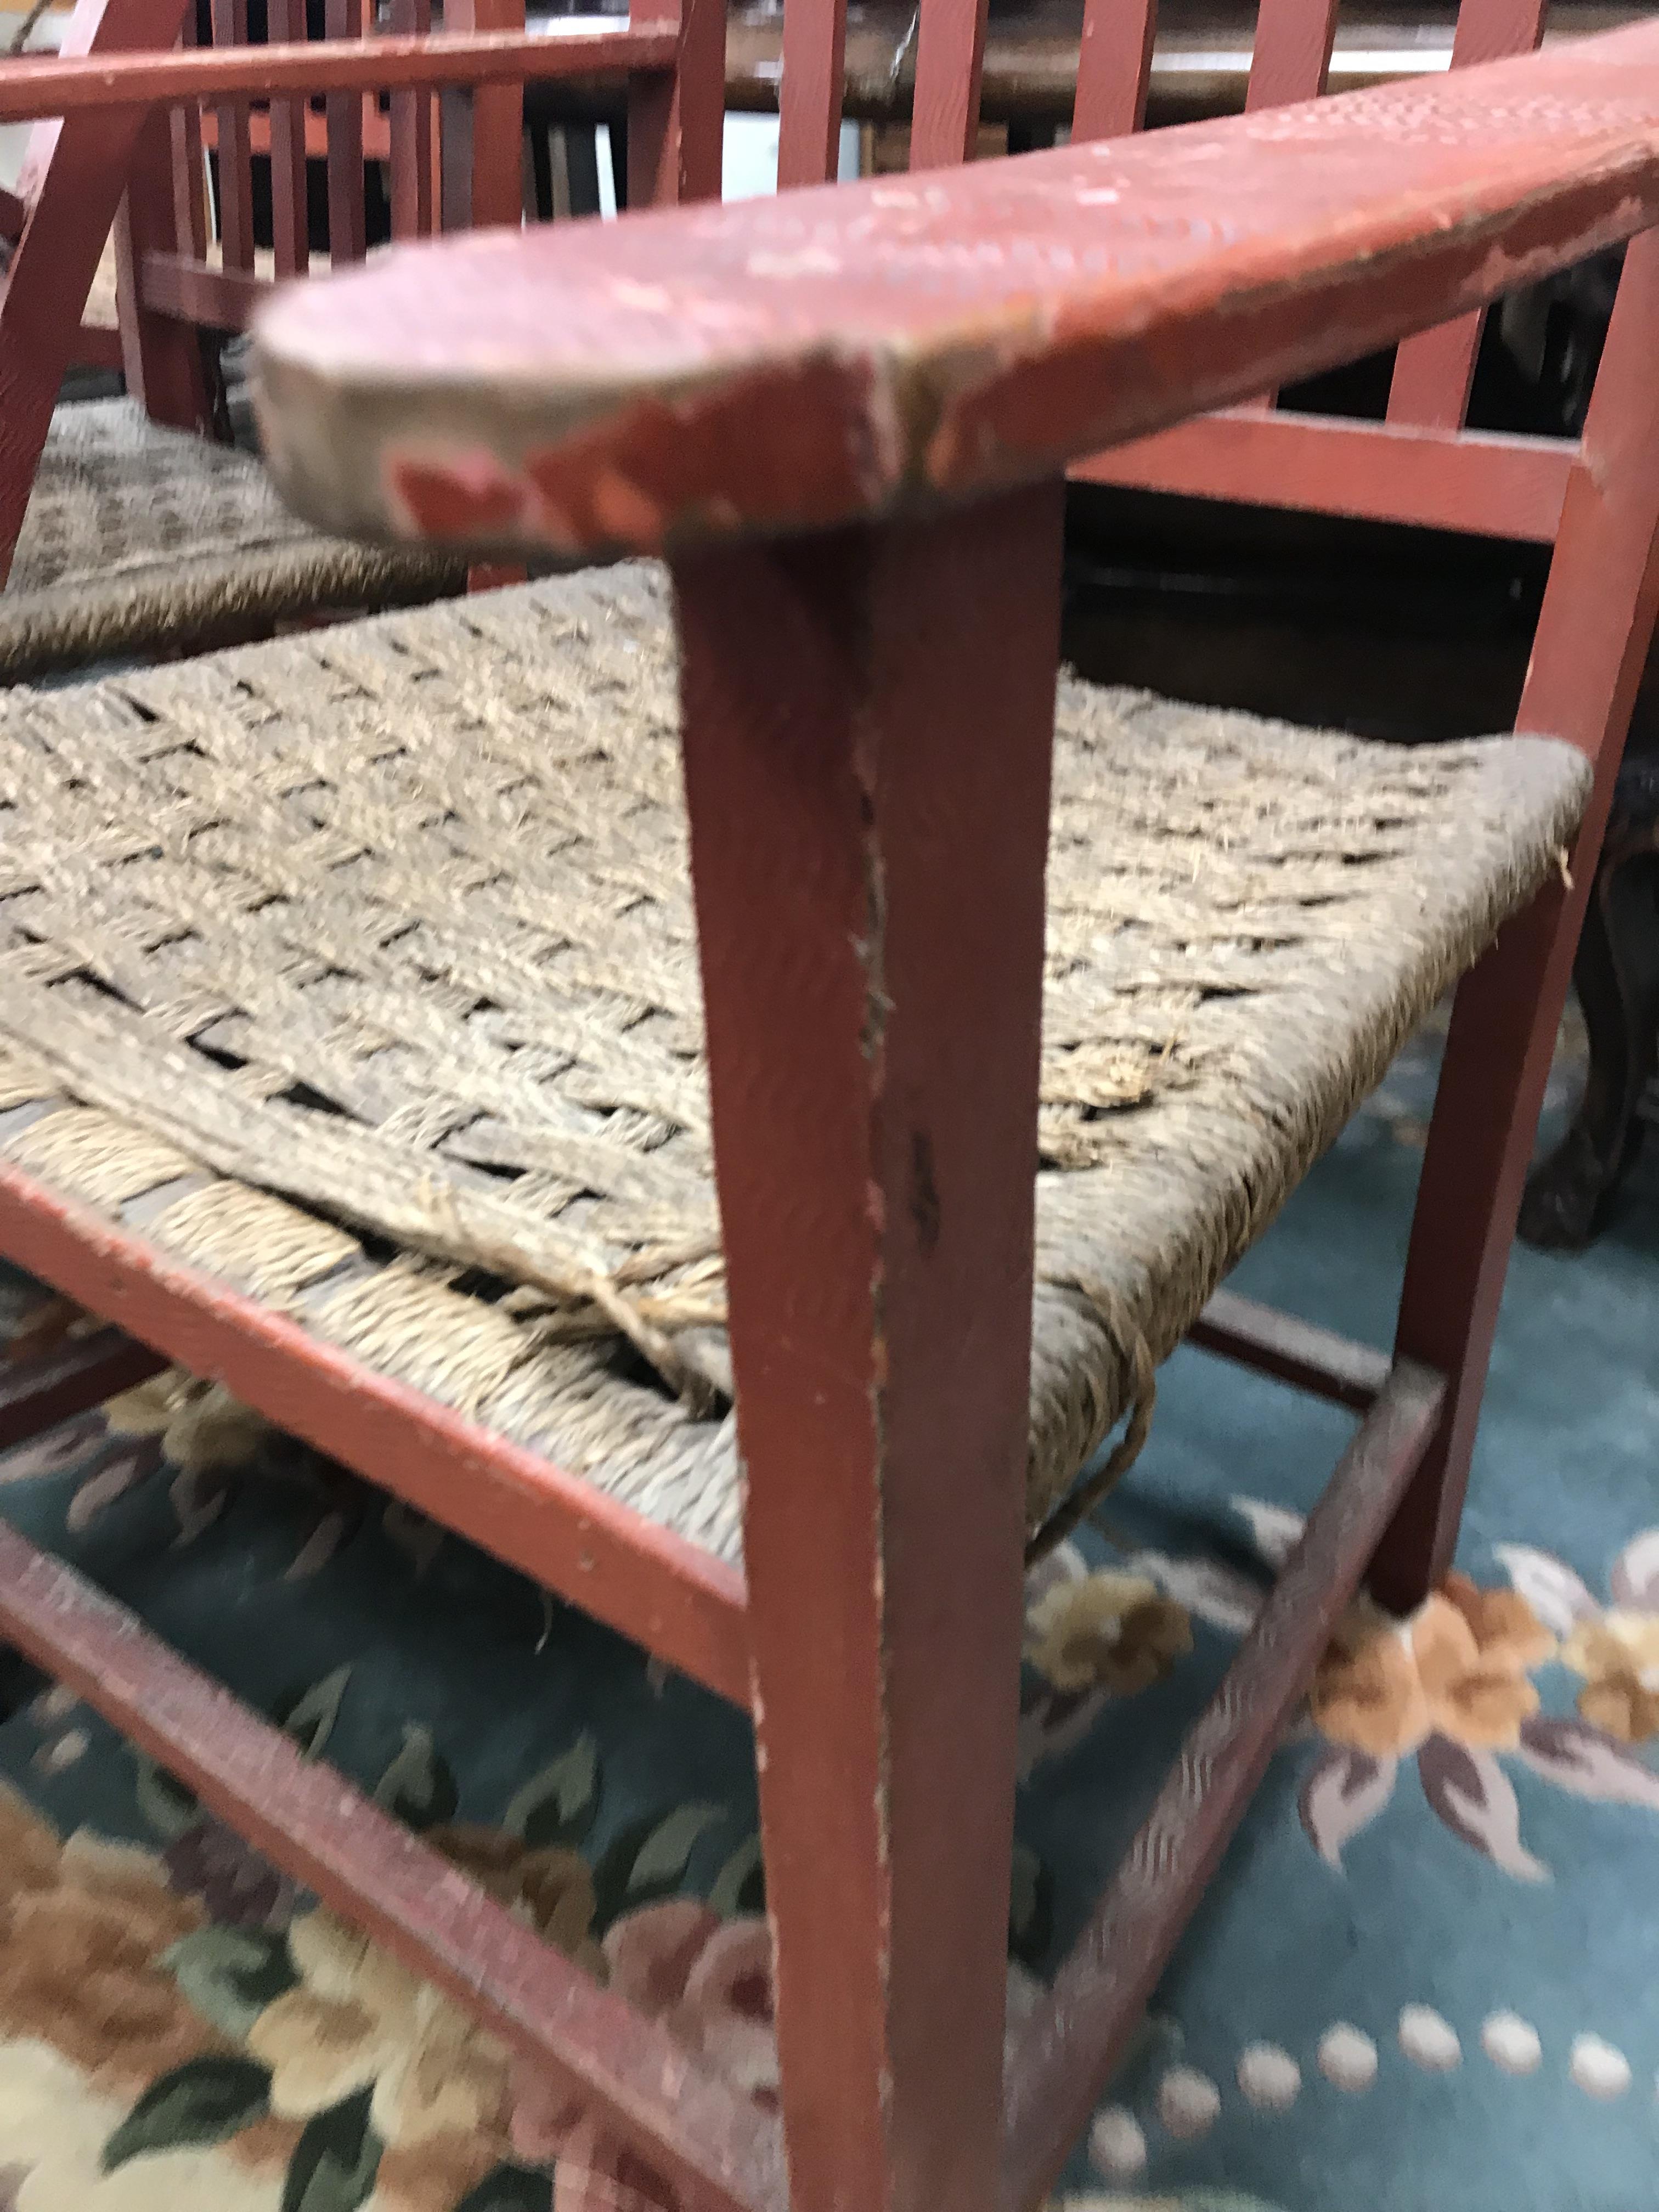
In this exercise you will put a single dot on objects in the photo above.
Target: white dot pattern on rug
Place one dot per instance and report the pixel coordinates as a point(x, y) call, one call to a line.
point(1512, 2042)
point(1268, 2078)
point(1598, 2069)
point(1428, 2040)
point(1188, 2102)
point(1117, 2148)
point(1347, 2057)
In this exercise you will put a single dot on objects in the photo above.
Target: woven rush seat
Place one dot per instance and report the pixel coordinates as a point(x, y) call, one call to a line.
point(137, 536)
point(357, 970)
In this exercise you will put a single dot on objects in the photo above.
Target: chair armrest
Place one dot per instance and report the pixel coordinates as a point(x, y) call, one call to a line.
point(848, 352)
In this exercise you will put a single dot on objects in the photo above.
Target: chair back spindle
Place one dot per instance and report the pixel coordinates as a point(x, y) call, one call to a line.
point(290, 198)
point(235, 149)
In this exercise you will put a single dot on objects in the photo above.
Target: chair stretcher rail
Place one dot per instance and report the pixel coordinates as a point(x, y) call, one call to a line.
point(724, 2150)
point(1070, 2044)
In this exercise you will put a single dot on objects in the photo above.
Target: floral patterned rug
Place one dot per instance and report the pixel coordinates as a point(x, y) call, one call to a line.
point(1426, 1977)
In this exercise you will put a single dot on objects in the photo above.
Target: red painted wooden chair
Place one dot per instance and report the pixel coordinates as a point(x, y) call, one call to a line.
point(376, 1038)
point(121, 535)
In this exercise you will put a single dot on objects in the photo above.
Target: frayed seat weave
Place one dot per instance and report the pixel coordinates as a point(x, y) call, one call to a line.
point(141, 539)
point(357, 970)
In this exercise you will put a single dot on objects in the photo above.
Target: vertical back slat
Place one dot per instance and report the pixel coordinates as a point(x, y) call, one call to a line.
point(1292, 53)
point(1291, 60)
point(190, 206)
point(810, 99)
point(344, 111)
point(291, 221)
point(1433, 372)
point(411, 136)
point(229, 19)
point(677, 123)
point(949, 64)
point(483, 132)
point(161, 358)
point(1114, 67)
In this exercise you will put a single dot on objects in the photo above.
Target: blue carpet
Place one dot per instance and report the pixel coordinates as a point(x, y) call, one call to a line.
point(1426, 1977)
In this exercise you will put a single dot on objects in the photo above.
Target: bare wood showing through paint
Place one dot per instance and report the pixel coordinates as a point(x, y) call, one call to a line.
point(633, 353)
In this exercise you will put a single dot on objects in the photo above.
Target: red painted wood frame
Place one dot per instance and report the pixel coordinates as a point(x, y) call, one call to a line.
point(1422, 465)
point(100, 160)
point(850, 1038)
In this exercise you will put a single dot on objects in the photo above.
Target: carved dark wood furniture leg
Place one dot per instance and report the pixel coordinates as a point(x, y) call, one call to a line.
point(868, 780)
point(1616, 974)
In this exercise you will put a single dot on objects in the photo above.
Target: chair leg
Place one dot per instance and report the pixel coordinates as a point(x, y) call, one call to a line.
point(1617, 974)
point(1591, 645)
point(73, 176)
point(1497, 1058)
point(868, 725)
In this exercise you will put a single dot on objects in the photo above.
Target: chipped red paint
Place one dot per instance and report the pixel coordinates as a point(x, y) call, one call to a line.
point(743, 458)
point(1002, 318)
point(454, 497)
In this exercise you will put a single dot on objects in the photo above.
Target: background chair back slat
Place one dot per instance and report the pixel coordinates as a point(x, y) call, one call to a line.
point(235, 149)
point(1115, 66)
point(1292, 56)
point(290, 198)
point(411, 138)
point(482, 133)
point(347, 229)
point(950, 65)
point(1433, 372)
point(677, 126)
point(810, 98)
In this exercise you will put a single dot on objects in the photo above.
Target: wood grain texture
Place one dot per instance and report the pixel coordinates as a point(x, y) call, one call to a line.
point(868, 783)
point(721, 2150)
point(192, 292)
point(1068, 2048)
point(672, 1598)
point(1495, 486)
point(884, 343)
point(1594, 632)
